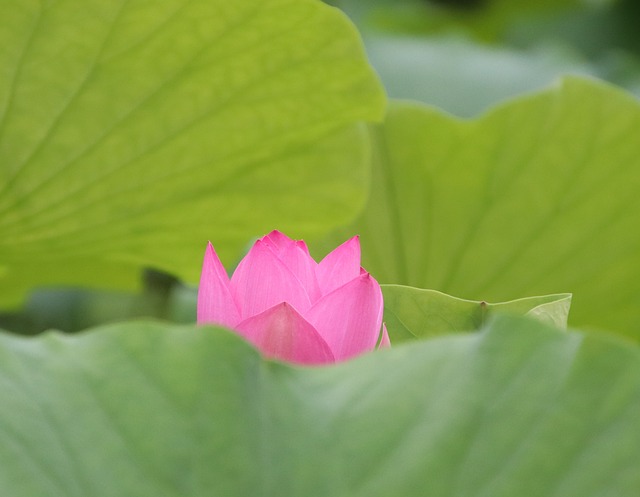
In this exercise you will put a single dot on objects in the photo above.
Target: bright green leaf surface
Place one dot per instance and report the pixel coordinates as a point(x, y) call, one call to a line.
point(412, 313)
point(133, 131)
point(538, 196)
point(149, 409)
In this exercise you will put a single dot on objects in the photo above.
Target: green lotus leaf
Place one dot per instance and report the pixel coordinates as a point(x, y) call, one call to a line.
point(538, 196)
point(150, 409)
point(131, 132)
point(411, 313)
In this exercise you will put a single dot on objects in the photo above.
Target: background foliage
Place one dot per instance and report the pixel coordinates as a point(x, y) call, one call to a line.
point(92, 225)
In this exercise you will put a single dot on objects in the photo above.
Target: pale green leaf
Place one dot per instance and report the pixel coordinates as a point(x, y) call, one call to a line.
point(411, 313)
point(131, 132)
point(148, 410)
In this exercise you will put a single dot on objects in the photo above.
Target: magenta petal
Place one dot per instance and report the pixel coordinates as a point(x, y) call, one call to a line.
point(303, 246)
point(304, 267)
point(281, 333)
point(339, 266)
point(262, 280)
point(385, 343)
point(295, 255)
point(278, 241)
point(216, 304)
point(350, 317)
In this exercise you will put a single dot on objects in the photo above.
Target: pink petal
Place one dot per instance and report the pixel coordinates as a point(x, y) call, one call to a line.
point(278, 241)
point(339, 266)
point(295, 255)
point(281, 333)
point(385, 343)
point(262, 280)
point(303, 247)
point(350, 317)
point(304, 267)
point(216, 304)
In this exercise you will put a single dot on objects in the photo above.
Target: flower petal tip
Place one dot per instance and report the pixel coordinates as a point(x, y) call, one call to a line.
point(216, 304)
point(385, 343)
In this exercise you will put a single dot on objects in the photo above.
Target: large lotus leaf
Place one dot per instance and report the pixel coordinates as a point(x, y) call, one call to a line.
point(148, 409)
point(538, 196)
point(133, 131)
point(412, 313)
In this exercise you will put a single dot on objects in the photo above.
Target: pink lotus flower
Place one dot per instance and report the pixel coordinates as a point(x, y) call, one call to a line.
point(291, 307)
